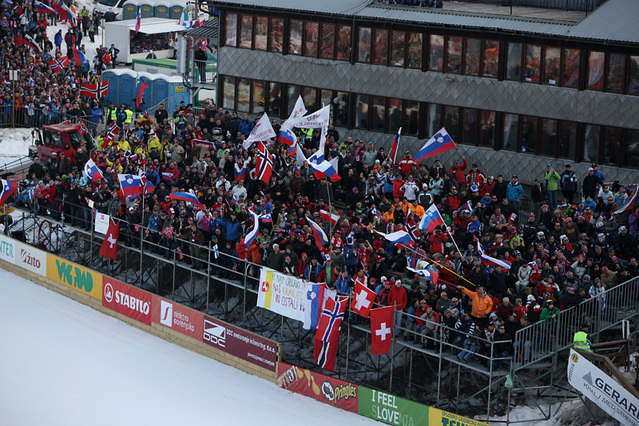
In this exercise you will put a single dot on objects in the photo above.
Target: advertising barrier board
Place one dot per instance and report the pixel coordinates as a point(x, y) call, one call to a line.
point(75, 276)
point(7, 248)
point(282, 294)
point(437, 417)
point(601, 389)
point(30, 258)
point(390, 409)
point(126, 300)
point(177, 317)
point(328, 390)
point(240, 343)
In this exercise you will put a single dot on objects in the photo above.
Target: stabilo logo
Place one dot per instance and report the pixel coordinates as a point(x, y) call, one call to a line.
point(74, 276)
point(108, 292)
point(214, 333)
point(29, 259)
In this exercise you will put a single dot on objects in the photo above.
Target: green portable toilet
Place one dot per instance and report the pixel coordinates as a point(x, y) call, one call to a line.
point(146, 10)
point(176, 11)
point(129, 10)
point(162, 10)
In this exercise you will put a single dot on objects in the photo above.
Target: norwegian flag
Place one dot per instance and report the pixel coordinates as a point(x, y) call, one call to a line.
point(112, 133)
point(395, 148)
point(412, 229)
point(59, 64)
point(301, 199)
point(83, 128)
point(327, 335)
point(168, 231)
point(180, 253)
point(94, 91)
point(263, 164)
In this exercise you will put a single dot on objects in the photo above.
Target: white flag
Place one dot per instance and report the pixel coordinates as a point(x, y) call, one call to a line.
point(261, 132)
point(319, 118)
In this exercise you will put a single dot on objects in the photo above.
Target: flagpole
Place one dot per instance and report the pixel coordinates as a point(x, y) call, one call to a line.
point(454, 242)
point(142, 234)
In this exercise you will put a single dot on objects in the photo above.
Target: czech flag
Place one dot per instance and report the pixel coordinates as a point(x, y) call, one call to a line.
point(188, 197)
point(140, 92)
point(43, 8)
point(92, 171)
point(324, 169)
point(287, 137)
point(491, 261)
point(436, 145)
point(130, 184)
point(8, 188)
point(395, 148)
point(138, 22)
point(397, 237)
point(431, 219)
point(320, 236)
point(248, 239)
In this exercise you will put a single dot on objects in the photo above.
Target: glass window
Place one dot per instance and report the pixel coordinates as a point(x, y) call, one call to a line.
point(551, 65)
point(394, 115)
point(293, 93)
point(633, 77)
point(596, 61)
point(529, 133)
point(611, 145)
point(415, 43)
point(364, 45)
point(631, 157)
point(243, 95)
point(487, 129)
point(229, 93)
point(451, 121)
point(616, 64)
point(469, 126)
point(491, 58)
point(259, 96)
point(513, 66)
point(341, 109)
point(511, 128)
point(592, 135)
point(275, 99)
point(380, 47)
point(361, 112)
point(436, 59)
point(246, 31)
point(453, 65)
point(343, 43)
point(277, 35)
point(571, 68)
point(295, 37)
point(411, 118)
point(326, 98)
point(231, 29)
point(533, 63)
point(434, 120)
point(311, 34)
point(473, 52)
point(548, 137)
point(568, 139)
point(327, 41)
point(261, 32)
point(378, 117)
point(398, 50)
point(309, 94)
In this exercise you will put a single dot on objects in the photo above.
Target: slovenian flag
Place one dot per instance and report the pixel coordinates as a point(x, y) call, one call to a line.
point(248, 239)
point(8, 188)
point(438, 144)
point(92, 171)
point(78, 57)
point(324, 169)
point(629, 204)
point(320, 236)
point(204, 142)
point(240, 172)
point(313, 304)
point(65, 13)
point(188, 197)
point(130, 184)
point(43, 8)
point(491, 261)
point(287, 137)
point(138, 22)
point(397, 237)
point(167, 175)
point(431, 219)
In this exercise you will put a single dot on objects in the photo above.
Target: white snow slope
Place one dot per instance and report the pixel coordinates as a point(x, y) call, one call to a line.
point(63, 363)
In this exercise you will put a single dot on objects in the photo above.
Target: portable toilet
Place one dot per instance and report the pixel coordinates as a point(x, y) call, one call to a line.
point(130, 10)
point(148, 99)
point(146, 9)
point(127, 88)
point(162, 10)
point(114, 80)
point(176, 11)
point(170, 91)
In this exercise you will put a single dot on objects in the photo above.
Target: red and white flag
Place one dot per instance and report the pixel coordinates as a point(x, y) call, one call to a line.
point(381, 329)
point(363, 299)
point(109, 247)
point(263, 164)
point(331, 217)
point(327, 335)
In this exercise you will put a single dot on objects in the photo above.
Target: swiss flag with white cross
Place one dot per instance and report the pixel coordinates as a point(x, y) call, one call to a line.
point(363, 299)
point(381, 329)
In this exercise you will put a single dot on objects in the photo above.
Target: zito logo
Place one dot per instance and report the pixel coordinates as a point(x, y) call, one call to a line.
point(215, 334)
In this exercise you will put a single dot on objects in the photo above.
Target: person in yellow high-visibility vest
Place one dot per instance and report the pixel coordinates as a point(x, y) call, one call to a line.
point(580, 341)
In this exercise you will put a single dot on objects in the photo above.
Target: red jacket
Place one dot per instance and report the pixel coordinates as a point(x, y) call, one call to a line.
point(458, 172)
point(397, 297)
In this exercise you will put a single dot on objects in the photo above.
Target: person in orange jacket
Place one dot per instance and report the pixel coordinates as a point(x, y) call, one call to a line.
point(482, 305)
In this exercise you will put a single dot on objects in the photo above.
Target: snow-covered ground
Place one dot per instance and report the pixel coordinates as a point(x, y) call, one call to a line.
point(14, 143)
point(65, 364)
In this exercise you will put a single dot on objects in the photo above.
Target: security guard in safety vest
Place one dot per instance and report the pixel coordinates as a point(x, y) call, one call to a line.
point(580, 340)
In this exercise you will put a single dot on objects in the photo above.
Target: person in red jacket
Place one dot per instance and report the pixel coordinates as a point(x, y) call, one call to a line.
point(437, 241)
point(398, 298)
point(457, 171)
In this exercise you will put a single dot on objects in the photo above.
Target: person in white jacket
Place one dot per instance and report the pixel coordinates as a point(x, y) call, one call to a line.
point(523, 277)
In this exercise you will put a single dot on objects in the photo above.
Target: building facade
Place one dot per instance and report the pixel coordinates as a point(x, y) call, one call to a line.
point(516, 92)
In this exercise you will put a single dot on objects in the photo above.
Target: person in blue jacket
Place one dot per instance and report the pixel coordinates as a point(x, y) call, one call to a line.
point(514, 192)
point(231, 226)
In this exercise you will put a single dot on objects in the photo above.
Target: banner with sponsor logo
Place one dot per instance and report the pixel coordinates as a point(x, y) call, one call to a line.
point(328, 390)
point(75, 276)
point(240, 343)
point(126, 300)
point(603, 390)
point(30, 258)
point(437, 417)
point(177, 317)
point(282, 294)
point(390, 409)
point(7, 248)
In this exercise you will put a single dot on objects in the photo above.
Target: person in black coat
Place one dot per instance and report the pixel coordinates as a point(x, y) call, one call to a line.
point(36, 169)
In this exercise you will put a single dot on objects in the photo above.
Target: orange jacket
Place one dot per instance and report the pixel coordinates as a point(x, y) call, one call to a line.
point(482, 306)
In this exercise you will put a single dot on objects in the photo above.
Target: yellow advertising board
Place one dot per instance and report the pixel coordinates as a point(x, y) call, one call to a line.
point(437, 417)
point(75, 276)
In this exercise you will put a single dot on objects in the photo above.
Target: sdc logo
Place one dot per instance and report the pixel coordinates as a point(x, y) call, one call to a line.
point(108, 292)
